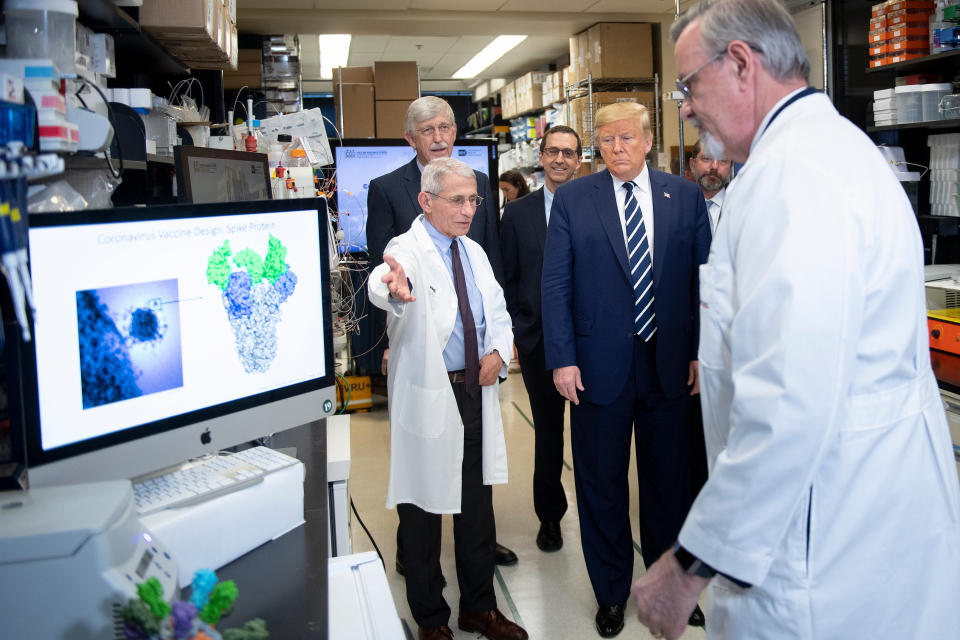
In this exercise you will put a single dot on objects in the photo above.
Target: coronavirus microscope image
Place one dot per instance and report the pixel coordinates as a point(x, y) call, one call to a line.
point(129, 340)
point(253, 288)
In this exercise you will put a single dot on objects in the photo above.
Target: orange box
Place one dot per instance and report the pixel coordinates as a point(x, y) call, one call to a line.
point(878, 23)
point(879, 50)
point(910, 31)
point(881, 36)
point(907, 55)
point(879, 61)
point(911, 5)
point(944, 330)
point(878, 10)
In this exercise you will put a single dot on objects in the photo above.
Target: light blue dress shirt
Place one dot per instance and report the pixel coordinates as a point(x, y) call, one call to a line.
point(547, 201)
point(453, 351)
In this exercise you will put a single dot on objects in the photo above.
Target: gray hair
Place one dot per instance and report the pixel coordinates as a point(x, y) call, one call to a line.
point(765, 25)
point(433, 174)
point(426, 108)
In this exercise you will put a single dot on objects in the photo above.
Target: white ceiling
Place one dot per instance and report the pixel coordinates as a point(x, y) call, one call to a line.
point(442, 35)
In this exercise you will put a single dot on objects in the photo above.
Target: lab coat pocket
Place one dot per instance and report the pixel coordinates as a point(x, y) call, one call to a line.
point(420, 410)
point(712, 320)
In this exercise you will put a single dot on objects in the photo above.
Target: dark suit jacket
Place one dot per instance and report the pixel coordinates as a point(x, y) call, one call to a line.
point(588, 295)
point(392, 207)
point(522, 236)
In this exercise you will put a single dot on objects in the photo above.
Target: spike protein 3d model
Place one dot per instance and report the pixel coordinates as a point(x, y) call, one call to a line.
point(253, 288)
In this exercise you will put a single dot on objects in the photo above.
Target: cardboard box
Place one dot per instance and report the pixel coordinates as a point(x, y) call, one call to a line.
point(396, 80)
point(620, 50)
point(581, 119)
point(508, 100)
point(353, 75)
point(574, 73)
point(238, 81)
point(583, 55)
point(173, 18)
point(391, 115)
point(355, 110)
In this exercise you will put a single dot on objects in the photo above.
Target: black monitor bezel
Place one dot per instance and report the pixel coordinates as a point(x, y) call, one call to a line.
point(182, 153)
point(490, 143)
point(28, 408)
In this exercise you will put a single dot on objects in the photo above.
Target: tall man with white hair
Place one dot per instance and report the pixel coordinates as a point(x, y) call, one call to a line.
point(619, 299)
point(448, 328)
point(832, 503)
point(392, 206)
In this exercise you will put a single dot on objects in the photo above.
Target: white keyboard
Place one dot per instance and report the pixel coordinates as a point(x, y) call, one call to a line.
point(207, 479)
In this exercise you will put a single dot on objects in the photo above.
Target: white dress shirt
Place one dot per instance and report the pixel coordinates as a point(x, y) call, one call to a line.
point(644, 199)
point(714, 206)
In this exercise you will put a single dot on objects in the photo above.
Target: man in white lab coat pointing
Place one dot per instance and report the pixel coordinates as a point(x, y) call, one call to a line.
point(449, 332)
point(831, 510)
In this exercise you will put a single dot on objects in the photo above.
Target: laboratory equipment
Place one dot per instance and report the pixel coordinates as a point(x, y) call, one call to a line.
point(69, 555)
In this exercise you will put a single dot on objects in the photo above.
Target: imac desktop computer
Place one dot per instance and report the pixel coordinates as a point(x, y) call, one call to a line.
point(359, 160)
point(170, 332)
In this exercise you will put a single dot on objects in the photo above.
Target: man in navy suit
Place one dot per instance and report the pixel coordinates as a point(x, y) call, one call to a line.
point(620, 329)
point(431, 129)
point(521, 242)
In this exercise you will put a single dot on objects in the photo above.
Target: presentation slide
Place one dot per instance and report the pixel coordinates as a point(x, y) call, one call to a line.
point(142, 321)
point(357, 166)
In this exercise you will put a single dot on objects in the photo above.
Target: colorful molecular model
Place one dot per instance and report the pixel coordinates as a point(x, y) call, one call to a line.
point(253, 290)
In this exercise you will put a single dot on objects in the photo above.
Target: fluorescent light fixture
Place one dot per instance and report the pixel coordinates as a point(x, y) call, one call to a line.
point(488, 55)
point(334, 51)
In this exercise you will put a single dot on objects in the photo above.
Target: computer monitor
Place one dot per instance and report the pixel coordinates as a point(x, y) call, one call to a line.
point(220, 175)
point(168, 332)
point(360, 160)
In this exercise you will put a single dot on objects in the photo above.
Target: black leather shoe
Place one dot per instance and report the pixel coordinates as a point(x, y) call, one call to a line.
point(549, 537)
point(697, 618)
point(504, 557)
point(610, 620)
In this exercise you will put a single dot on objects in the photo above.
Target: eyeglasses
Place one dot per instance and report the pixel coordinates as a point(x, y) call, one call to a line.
point(627, 140)
point(458, 201)
point(553, 152)
point(444, 129)
point(683, 84)
point(709, 160)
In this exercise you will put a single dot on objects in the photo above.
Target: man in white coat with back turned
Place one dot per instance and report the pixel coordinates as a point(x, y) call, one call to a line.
point(448, 326)
point(831, 510)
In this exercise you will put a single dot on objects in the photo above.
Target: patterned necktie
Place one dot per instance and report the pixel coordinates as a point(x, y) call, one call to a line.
point(471, 359)
point(641, 266)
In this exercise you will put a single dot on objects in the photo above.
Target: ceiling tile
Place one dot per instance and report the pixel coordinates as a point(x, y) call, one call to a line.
point(470, 44)
point(555, 5)
point(363, 59)
point(449, 5)
point(375, 5)
point(368, 44)
point(275, 4)
point(414, 45)
point(633, 6)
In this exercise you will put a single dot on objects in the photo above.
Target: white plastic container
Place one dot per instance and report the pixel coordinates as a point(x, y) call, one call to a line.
point(909, 103)
point(930, 95)
point(42, 29)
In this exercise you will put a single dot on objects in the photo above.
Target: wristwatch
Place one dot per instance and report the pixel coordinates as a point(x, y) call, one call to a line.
point(691, 564)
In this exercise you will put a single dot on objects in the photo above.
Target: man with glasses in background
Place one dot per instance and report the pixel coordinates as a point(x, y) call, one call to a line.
point(620, 323)
point(521, 241)
point(450, 336)
point(392, 206)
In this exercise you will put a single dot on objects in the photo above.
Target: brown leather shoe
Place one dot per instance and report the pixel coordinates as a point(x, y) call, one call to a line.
point(442, 632)
point(492, 624)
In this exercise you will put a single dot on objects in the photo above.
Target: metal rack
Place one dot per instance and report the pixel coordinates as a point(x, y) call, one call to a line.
point(590, 85)
point(282, 74)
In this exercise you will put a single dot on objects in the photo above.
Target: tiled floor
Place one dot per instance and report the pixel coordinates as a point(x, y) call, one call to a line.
point(549, 594)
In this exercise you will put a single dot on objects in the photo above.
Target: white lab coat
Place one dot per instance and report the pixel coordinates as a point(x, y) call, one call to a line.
point(426, 432)
point(832, 482)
